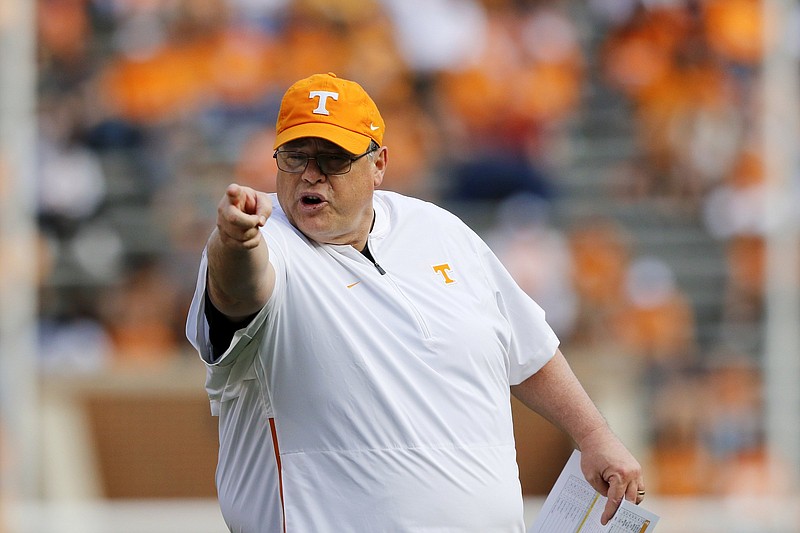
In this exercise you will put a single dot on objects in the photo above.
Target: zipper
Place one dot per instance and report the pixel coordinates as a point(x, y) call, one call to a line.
point(423, 326)
point(368, 254)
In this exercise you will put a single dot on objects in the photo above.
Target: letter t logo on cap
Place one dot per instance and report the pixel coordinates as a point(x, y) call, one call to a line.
point(323, 99)
point(330, 108)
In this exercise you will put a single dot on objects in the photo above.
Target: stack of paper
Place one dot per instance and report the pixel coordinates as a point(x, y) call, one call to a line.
point(573, 506)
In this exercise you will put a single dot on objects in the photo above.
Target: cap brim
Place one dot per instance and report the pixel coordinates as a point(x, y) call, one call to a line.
point(355, 143)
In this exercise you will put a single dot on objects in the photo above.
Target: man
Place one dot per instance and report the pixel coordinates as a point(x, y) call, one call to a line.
point(361, 346)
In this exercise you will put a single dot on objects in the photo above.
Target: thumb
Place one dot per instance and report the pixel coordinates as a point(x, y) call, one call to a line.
point(263, 207)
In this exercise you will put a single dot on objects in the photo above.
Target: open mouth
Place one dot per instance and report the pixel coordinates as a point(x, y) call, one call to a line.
point(311, 199)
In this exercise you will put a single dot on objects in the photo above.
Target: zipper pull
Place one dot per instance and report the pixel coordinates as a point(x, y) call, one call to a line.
point(368, 254)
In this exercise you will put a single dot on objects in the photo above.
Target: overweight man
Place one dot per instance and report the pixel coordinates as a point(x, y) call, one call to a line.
point(361, 348)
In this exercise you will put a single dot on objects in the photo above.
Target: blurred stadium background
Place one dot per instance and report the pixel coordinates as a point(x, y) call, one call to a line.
point(633, 162)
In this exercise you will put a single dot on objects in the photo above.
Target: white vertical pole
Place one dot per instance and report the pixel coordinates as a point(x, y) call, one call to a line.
point(19, 413)
point(782, 284)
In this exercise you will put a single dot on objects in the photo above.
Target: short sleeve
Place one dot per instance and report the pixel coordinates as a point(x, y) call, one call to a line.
point(532, 342)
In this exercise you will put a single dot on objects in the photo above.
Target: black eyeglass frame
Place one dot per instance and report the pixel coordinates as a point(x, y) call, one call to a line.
point(322, 164)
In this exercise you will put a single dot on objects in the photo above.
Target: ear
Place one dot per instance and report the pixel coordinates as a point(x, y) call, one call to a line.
point(381, 159)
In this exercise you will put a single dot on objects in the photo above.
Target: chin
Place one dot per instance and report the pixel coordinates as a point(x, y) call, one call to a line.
point(312, 232)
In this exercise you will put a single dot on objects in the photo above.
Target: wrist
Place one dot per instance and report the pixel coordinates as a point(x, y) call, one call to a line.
point(597, 433)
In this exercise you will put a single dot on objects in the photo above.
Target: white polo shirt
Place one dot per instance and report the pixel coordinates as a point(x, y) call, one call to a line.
point(384, 398)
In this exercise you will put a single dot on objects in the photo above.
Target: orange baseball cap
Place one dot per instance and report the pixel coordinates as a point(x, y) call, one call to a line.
point(331, 108)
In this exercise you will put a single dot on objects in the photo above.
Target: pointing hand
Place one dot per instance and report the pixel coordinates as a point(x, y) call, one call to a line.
point(240, 214)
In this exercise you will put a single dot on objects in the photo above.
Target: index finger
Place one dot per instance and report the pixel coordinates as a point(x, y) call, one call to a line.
point(231, 215)
point(249, 202)
point(236, 195)
point(616, 491)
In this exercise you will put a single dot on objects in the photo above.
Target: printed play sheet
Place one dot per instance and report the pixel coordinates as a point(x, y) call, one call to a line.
point(573, 506)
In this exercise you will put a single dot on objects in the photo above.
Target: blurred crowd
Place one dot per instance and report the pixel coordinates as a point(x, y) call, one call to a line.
point(148, 108)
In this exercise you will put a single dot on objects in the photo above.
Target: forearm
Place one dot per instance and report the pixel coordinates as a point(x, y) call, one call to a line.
point(555, 393)
point(240, 280)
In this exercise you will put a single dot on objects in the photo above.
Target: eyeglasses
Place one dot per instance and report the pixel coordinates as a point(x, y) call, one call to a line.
point(329, 164)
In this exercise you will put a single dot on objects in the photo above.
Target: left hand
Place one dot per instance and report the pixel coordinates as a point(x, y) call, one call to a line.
point(611, 469)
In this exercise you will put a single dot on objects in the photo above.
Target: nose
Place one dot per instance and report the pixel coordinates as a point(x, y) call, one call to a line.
point(312, 173)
